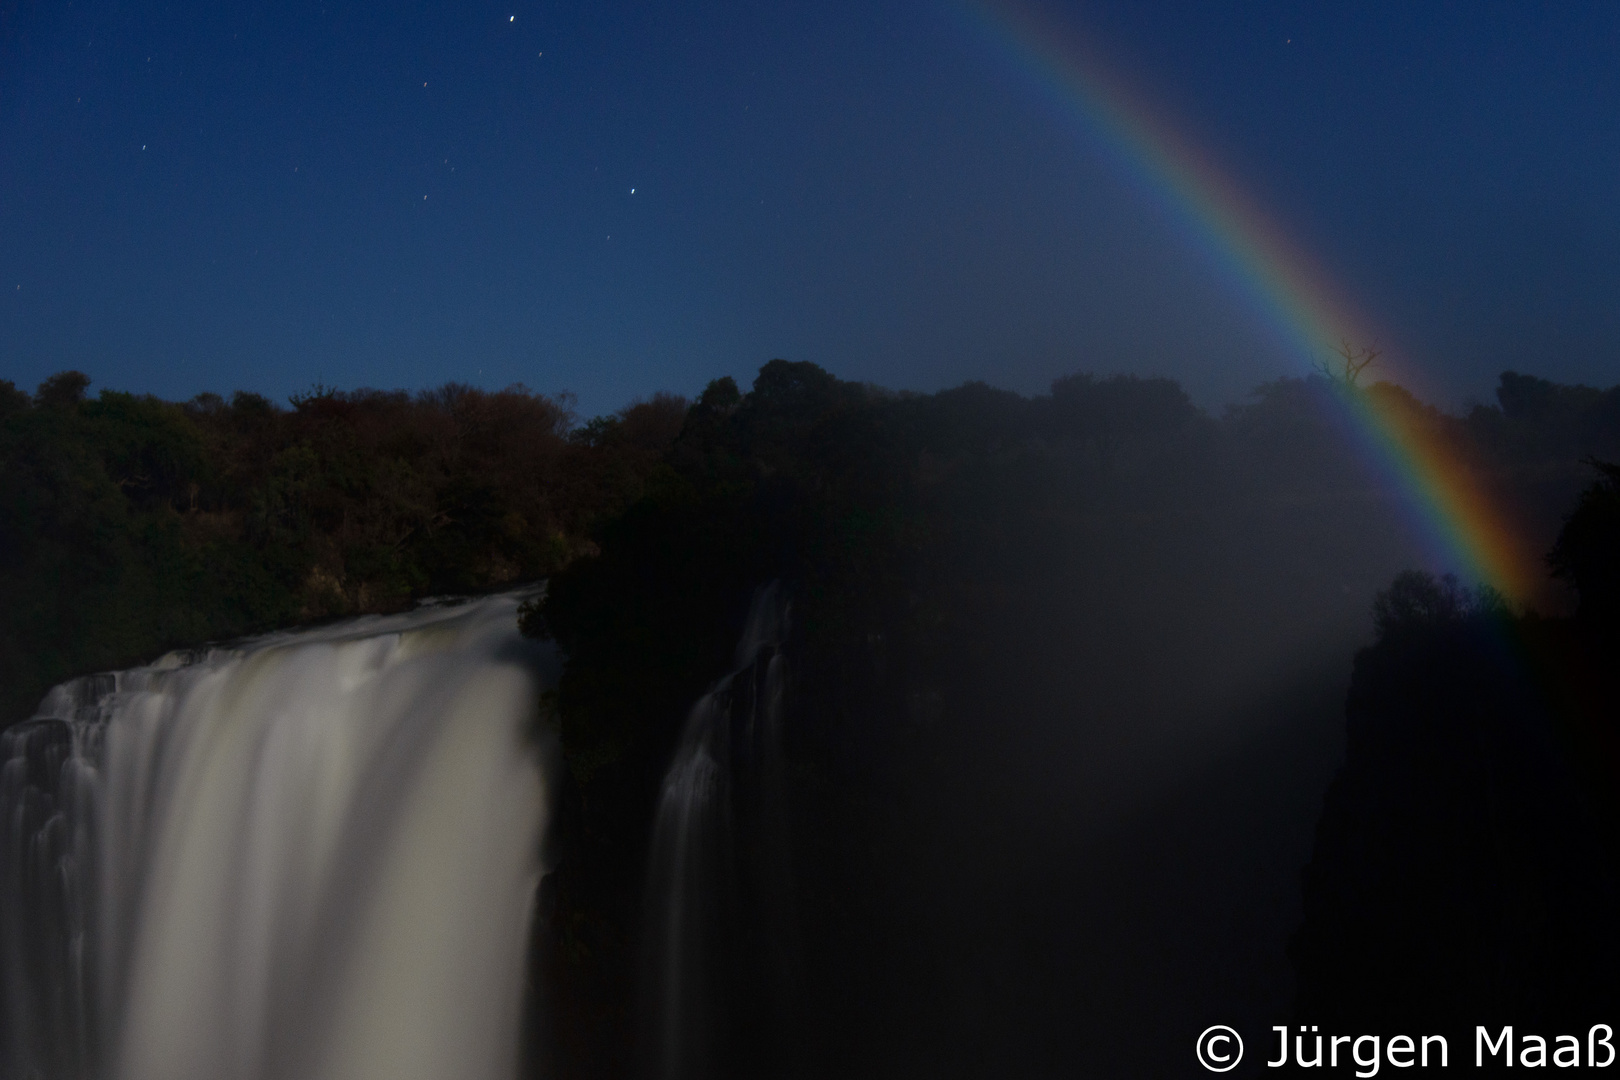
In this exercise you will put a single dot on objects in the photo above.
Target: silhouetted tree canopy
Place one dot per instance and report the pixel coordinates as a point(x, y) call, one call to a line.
point(979, 580)
point(1587, 554)
point(1465, 869)
point(966, 567)
point(129, 524)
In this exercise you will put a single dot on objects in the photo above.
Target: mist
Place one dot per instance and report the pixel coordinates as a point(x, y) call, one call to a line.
point(894, 734)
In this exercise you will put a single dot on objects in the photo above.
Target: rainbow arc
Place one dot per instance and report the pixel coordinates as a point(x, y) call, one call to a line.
point(1287, 288)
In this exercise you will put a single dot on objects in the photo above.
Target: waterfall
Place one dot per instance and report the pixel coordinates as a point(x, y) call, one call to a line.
point(720, 927)
point(309, 855)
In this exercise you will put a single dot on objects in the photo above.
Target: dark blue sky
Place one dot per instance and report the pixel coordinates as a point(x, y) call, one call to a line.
point(212, 196)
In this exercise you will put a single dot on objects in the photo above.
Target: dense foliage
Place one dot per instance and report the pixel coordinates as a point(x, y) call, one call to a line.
point(1585, 555)
point(1012, 617)
point(129, 524)
point(1467, 862)
point(984, 585)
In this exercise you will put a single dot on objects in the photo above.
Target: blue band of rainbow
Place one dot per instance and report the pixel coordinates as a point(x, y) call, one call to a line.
point(1288, 290)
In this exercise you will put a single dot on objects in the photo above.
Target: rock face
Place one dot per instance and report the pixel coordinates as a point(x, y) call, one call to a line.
point(1464, 868)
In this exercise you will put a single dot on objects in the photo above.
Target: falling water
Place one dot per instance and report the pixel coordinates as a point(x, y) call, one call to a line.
point(720, 925)
point(309, 855)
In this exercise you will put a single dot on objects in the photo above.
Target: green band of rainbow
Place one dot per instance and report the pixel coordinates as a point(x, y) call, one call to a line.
point(1285, 286)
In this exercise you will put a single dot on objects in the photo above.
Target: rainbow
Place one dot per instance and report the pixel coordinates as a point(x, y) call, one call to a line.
point(1290, 291)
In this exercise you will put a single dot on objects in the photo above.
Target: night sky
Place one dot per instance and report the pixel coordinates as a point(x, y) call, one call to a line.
point(619, 198)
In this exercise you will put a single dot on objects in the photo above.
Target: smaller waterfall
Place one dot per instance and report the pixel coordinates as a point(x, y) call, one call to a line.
point(720, 927)
point(309, 855)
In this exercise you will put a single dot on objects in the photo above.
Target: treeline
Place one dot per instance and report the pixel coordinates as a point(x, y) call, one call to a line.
point(129, 525)
point(1014, 619)
point(1007, 612)
point(1467, 861)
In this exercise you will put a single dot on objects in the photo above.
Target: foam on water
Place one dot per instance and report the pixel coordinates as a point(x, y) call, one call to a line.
point(309, 855)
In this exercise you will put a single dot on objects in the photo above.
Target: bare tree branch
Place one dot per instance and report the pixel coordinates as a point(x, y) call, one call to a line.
point(1353, 361)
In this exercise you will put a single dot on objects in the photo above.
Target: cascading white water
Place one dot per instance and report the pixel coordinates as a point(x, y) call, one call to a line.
point(310, 855)
point(720, 924)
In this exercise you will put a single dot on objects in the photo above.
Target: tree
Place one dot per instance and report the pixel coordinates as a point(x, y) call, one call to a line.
point(1587, 554)
point(1353, 361)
